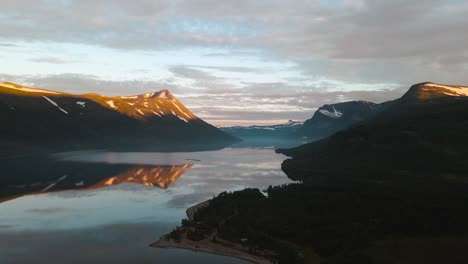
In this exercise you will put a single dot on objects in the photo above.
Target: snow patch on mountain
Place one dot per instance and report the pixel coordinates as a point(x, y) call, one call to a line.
point(164, 94)
point(181, 110)
point(111, 103)
point(55, 183)
point(110, 181)
point(183, 119)
point(129, 97)
point(81, 103)
point(55, 104)
point(334, 114)
point(79, 184)
point(148, 95)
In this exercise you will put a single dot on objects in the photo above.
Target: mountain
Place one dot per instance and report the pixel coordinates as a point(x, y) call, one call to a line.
point(279, 130)
point(332, 118)
point(280, 135)
point(326, 121)
point(429, 91)
point(389, 189)
point(153, 121)
point(422, 133)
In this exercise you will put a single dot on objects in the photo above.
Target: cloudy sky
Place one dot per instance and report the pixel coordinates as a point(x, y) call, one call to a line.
point(236, 61)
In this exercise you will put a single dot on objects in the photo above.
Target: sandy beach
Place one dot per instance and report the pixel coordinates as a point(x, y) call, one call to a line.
point(207, 246)
point(220, 247)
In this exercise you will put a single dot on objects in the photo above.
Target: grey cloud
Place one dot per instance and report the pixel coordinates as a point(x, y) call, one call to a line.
point(202, 80)
point(78, 83)
point(53, 60)
point(411, 40)
point(228, 68)
point(235, 53)
point(190, 73)
point(8, 45)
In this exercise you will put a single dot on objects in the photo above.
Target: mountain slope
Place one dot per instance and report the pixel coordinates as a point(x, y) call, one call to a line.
point(421, 134)
point(332, 118)
point(152, 121)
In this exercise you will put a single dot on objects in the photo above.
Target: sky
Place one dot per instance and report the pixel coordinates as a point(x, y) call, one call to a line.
point(238, 62)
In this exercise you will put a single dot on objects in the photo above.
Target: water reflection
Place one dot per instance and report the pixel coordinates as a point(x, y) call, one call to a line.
point(106, 192)
point(159, 176)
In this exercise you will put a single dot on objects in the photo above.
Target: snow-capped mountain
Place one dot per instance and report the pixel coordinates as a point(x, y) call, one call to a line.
point(280, 135)
point(286, 129)
point(153, 120)
point(332, 118)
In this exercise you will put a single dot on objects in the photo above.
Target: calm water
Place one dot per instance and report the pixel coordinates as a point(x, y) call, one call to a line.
point(116, 218)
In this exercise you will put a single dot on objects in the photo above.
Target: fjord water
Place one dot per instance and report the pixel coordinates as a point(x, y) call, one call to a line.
point(117, 218)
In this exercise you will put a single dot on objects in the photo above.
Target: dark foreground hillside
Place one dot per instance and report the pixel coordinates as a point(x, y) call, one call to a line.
point(392, 189)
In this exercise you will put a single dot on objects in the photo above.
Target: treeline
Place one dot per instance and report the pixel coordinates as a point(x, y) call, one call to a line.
point(336, 223)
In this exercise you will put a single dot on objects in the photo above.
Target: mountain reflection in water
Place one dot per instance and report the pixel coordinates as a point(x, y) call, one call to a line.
point(162, 176)
point(115, 224)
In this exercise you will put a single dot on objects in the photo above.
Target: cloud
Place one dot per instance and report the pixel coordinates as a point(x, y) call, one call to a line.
point(385, 46)
point(228, 68)
point(54, 60)
point(8, 45)
point(190, 73)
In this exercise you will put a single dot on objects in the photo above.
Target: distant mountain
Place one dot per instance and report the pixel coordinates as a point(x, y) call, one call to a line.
point(332, 118)
point(288, 129)
point(153, 121)
point(280, 135)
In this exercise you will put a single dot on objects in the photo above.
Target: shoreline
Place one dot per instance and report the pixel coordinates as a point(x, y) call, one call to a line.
point(206, 246)
point(223, 248)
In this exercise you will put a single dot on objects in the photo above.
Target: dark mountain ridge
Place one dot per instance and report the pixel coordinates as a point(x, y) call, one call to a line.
point(422, 133)
point(153, 121)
